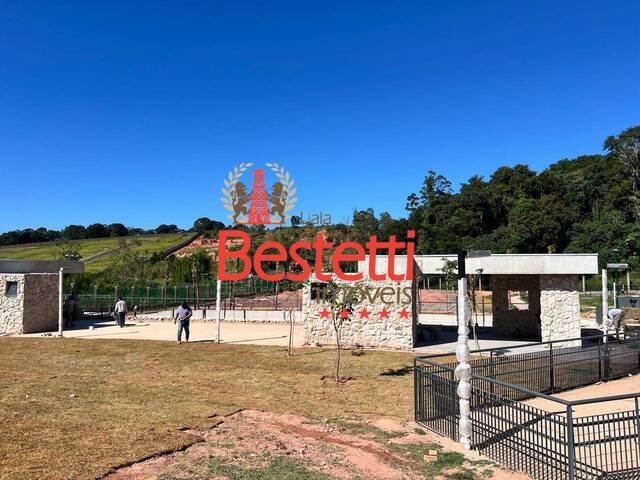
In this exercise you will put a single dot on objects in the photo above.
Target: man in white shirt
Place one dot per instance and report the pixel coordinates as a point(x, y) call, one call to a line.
point(121, 311)
point(183, 316)
point(614, 320)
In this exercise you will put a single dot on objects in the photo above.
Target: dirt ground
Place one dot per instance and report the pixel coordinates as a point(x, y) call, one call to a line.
point(621, 386)
point(261, 445)
point(232, 333)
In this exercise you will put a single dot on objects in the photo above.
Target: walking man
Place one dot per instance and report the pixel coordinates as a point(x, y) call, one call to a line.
point(121, 311)
point(183, 316)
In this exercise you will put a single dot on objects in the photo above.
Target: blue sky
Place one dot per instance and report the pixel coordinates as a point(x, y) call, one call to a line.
point(135, 111)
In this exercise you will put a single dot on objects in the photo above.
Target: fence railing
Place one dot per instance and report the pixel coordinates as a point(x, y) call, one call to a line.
point(564, 441)
point(255, 294)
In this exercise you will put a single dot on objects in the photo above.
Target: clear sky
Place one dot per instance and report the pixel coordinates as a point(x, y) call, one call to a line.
point(135, 111)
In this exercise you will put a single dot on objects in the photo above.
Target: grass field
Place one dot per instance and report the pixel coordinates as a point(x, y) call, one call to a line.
point(75, 408)
point(50, 250)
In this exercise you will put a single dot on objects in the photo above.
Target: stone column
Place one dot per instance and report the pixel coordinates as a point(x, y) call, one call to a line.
point(560, 308)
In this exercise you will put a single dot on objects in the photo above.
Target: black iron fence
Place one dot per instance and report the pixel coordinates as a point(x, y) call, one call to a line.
point(251, 294)
point(546, 437)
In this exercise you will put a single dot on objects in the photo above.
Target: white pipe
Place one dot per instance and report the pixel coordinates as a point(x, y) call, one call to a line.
point(463, 370)
point(218, 292)
point(605, 303)
point(615, 295)
point(60, 302)
point(628, 283)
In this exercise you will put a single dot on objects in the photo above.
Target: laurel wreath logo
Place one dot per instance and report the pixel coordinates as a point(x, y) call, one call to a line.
point(287, 185)
point(230, 184)
point(236, 174)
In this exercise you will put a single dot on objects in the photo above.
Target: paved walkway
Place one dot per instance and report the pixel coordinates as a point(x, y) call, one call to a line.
point(622, 386)
point(446, 342)
point(238, 333)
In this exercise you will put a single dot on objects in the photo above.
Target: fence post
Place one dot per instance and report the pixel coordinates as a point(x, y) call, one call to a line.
point(605, 303)
point(551, 373)
point(606, 361)
point(416, 392)
point(493, 373)
point(571, 450)
point(637, 420)
point(600, 359)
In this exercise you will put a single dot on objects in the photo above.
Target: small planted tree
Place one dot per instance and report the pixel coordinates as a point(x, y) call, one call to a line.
point(341, 303)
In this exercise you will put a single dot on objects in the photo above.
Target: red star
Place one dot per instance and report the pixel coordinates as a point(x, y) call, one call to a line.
point(404, 313)
point(384, 313)
point(324, 313)
point(344, 313)
point(364, 313)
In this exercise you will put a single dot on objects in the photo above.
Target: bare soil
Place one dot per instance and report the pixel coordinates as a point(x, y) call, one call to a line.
point(383, 449)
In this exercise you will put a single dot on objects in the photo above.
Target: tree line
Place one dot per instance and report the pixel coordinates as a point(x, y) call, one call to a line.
point(587, 204)
point(99, 230)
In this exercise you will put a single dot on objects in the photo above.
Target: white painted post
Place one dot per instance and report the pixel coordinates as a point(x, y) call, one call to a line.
point(628, 283)
point(615, 293)
point(60, 302)
point(463, 370)
point(218, 292)
point(584, 285)
point(605, 303)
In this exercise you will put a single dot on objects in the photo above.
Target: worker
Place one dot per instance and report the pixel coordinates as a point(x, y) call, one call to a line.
point(614, 319)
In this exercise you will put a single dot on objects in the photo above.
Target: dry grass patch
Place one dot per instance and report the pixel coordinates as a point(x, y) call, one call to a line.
point(76, 408)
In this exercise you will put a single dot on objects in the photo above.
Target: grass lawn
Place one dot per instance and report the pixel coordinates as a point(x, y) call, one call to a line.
point(50, 250)
point(75, 408)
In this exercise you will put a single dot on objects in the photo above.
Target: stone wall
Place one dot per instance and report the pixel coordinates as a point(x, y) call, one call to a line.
point(11, 308)
point(554, 307)
point(393, 332)
point(560, 308)
point(40, 303)
point(515, 323)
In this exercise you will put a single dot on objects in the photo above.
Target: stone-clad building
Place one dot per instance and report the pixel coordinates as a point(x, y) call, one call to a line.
point(28, 302)
point(548, 281)
point(377, 320)
point(29, 295)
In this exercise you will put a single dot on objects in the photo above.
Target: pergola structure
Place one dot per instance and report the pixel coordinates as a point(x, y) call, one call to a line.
point(550, 281)
point(552, 311)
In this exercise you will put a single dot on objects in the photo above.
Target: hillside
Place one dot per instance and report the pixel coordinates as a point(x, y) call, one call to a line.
point(148, 244)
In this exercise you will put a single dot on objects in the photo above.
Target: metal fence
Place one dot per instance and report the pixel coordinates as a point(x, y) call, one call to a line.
point(565, 440)
point(253, 294)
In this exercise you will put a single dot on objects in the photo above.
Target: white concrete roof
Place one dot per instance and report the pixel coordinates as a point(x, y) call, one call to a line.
point(40, 266)
point(499, 264)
